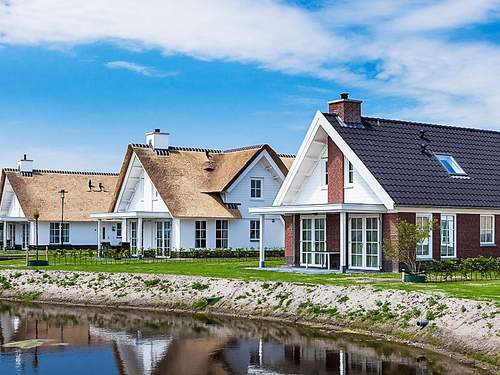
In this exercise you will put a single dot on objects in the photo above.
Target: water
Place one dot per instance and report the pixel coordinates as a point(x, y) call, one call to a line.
point(105, 341)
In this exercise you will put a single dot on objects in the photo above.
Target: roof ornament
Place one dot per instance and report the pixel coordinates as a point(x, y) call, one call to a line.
point(207, 154)
point(423, 149)
point(101, 187)
point(91, 187)
point(423, 135)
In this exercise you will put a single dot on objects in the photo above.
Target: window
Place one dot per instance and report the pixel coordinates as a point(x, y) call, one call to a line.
point(103, 233)
point(133, 235)
point(349, 173)
point(200, 234)
point(313, 240)
point(448, 236)
point(256, 188)
point(424, 248)
point(162, 238)
point(450, 164)
point(254, 230)
point(155, 194)
point(55, 234)
point(1, 233)
point(324, 172)
point(221, 233)
point(118, 230)
point(487, 229)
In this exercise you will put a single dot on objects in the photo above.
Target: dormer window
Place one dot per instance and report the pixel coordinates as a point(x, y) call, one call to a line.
point(450, 164)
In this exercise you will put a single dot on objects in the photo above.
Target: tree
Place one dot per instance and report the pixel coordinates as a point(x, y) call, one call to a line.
point(408, 236)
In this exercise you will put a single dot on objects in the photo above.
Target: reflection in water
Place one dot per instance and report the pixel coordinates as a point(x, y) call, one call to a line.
point(103, 341)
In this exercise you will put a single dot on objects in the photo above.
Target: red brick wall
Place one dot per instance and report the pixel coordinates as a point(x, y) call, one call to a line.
point(468, 237)
point(335, 173)
point(292, 240)
point(436, 237)
point(348, 110)
point(389, 231)
point(332, 232)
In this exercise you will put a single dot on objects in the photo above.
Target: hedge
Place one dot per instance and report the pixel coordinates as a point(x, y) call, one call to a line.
point(480, 268)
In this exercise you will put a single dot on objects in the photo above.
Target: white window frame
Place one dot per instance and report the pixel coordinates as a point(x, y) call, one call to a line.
point(481, 230)
point(58, 235)
point(254, 233)
point(261, 190)
point(364, 242)
point(454, 237)
point(221, 231)
point(324, 172)
point(198, 231)
point(429, 238)
point(457, 169)
point(348, 172)
point(119, 232)
point(313, 239)
point(163, 238)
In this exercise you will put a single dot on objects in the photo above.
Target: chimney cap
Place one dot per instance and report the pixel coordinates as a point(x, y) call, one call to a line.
point(157, 131)
point(344, 95)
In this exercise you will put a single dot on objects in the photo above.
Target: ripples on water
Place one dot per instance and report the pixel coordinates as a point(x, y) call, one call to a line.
point(103, 341)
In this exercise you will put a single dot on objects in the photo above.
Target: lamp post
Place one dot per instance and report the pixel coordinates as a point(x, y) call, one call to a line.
point(62, 194)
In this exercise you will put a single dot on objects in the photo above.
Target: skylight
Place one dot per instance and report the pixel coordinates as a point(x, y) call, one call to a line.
point(450, 164)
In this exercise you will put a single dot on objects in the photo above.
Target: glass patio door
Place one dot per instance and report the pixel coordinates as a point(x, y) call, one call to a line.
point(26, 236)
point(364, 242)
point(312, 241)
point(163, 230)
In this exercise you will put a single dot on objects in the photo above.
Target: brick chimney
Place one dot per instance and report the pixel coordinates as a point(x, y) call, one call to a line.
point(348, 110)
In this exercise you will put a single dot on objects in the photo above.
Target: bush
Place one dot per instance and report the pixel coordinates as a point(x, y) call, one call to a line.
point(468, 269)
point(226, 253)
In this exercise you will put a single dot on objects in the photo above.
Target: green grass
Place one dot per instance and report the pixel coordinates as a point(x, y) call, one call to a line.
point(238, 269)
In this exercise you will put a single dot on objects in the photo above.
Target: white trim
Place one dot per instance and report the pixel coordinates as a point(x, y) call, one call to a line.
point(453, 210)
point(319, 208)
point(492, 243)
point(320, 120)
point(363, 253)
point(454, 256)
point(428, 215)
point(130, 215)
point(264, 154)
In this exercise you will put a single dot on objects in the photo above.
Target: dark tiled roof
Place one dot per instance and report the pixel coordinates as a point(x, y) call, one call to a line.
point(392, 151)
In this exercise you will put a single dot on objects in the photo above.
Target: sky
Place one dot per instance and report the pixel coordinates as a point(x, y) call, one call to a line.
point(80, 79)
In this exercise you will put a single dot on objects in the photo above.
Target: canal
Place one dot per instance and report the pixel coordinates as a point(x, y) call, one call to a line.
point(49, 339)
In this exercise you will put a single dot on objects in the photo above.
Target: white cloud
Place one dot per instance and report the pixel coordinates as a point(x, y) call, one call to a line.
point(140, 69)
point(409, 41)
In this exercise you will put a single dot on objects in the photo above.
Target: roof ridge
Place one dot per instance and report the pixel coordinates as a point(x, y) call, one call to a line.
point(244, 148)
point(287, 155)
point(86, 173)
point(431, 124)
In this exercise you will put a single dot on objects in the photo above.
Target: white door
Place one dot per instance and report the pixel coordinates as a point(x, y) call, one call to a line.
point(364, 242)
point(163, 231)
point(313, 241)
point(26, 236)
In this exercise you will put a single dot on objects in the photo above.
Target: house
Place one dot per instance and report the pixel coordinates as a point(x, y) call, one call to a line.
point(26, 193)
point(356, 177)
point(173, 198)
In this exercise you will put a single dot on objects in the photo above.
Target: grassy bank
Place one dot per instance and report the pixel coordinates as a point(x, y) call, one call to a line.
point(240, 269)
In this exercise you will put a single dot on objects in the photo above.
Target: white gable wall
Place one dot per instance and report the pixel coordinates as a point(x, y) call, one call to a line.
point(15, 209)
point(360, 191)
point(312, 190)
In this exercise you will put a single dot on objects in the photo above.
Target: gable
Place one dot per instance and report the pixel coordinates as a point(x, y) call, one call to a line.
point(9, 205)
point(303, 185)
point(137, 192)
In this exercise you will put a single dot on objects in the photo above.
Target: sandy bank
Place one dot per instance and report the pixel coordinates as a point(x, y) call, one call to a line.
point(458, 325)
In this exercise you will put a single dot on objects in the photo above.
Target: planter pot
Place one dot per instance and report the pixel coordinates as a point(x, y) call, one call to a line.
point(37, 263)
point(410, 278)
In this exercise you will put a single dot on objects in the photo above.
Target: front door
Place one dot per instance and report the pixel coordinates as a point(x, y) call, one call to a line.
point(162, 237)
point(364, 242)
point(313, 241)
point(12, 236)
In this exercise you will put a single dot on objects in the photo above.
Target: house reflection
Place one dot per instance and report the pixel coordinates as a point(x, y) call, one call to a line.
point(147, 343)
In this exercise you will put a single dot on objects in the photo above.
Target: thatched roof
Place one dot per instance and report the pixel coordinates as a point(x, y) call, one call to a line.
point(190, 180)
point(39, 191)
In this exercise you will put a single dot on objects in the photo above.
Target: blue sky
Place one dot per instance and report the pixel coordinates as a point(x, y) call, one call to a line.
point(81, 79)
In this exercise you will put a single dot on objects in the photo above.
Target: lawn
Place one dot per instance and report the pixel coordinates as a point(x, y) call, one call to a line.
point(239, 269)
